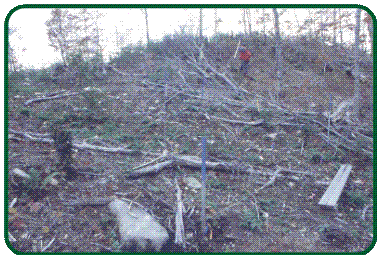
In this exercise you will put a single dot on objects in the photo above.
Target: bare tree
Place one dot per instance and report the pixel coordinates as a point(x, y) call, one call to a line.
point(12, 60)
point(264, 20)
point(59, 29)
point(356, 57)
point(216, 22)
point(278, 50)
point(334, 27)
point(244, 21)
point(249, 19)
point(369, 22)
point(147, 29)
point(72, 33)
point(201, 25)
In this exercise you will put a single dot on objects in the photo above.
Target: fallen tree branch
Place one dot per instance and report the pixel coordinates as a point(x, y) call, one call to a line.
point(122, 150)
point(253, 123)
point(102, 201)
point(35, 100)
point(152, 161)
point(364, 211)
point(351, 148)
point(267, 184)
point(48, 245)
point(84, 145)
point(149, 169)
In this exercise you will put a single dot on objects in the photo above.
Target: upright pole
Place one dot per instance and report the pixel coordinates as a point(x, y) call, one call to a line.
point(203, 211)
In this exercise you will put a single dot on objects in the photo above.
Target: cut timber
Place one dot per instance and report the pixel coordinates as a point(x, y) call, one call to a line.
point(333, 192)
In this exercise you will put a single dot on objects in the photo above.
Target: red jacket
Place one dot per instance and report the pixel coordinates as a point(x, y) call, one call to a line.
point(246, 55)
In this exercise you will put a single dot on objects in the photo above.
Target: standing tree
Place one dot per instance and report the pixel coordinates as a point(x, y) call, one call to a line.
point(201, 25)
point(76, 36)
point(264, 19)
point(369, 22)
point(334, 27)
point(349, 108)
point(249, 19)
point(357, 96)
point(147, 29)
point(278, 51)
point(244, 21)
point(216, 21)
point(12, 60)
point(59, 30)
point(68, 32)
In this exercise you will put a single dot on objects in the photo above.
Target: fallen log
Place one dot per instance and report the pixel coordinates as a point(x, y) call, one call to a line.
point(121, 150)
point(35, 100)
point(32, 137)
point(149, 169)
point(83, 145)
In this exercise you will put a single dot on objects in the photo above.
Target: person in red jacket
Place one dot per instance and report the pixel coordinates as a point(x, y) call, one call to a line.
point(244, 56)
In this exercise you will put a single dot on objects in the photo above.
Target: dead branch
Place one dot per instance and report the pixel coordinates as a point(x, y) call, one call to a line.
point(253, 123)
point(364, 211)
point(35, 100)
point(267, 184)
point(31, 136)
point(34, 134)
point(121, 150)
point(48, 245)
point(101, 201)
point(163, 156)
point(11, 238)
point(149, 169)
point(349, 147)
point(83, 145)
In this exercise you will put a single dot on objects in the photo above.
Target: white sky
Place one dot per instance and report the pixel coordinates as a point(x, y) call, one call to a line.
point(31, 42)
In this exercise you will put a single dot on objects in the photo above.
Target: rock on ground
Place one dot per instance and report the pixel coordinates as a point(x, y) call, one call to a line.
point(137, 227)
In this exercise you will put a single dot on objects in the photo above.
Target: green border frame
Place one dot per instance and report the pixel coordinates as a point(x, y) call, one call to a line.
point(222, 6)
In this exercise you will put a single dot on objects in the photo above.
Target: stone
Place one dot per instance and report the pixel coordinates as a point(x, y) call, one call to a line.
point(137, 227)
point(193, 183)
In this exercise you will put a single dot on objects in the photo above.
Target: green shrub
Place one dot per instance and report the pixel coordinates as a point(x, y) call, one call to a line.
point(355, 199)
point(216, 184)
point(37, 183)
point(42, 75)
point(252, 219)
point(25, 112)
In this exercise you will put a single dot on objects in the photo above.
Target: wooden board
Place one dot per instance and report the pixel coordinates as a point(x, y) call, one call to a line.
point(333, 192)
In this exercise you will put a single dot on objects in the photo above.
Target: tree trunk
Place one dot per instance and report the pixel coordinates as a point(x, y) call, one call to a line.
point(356, 57)
point(370, 29)
point(215, 21)
point(249, 20)
point(244, 21)
point(147, 29)
point(334, 27)
point(278, 49)
point(201, 25)
point(340, 20)
point(264, 26)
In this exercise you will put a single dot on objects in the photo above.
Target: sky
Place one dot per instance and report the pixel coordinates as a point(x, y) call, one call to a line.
point(32, 48)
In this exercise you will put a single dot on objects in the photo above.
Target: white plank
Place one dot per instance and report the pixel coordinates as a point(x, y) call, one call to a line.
point(333, 192)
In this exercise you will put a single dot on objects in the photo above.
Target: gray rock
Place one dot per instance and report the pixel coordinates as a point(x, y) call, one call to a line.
point(193, 183)
point(138, 227)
